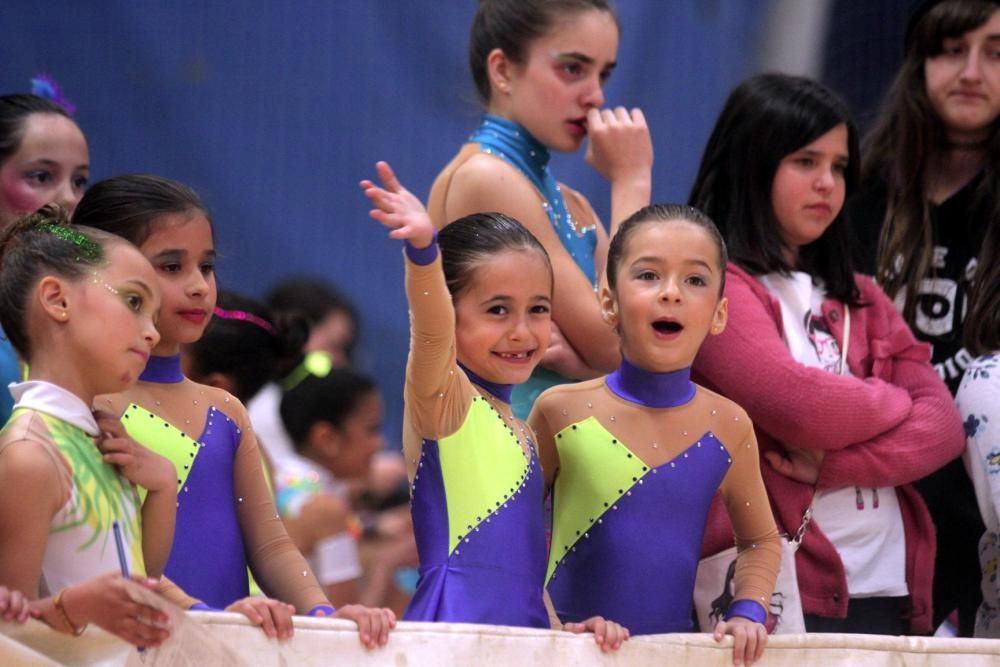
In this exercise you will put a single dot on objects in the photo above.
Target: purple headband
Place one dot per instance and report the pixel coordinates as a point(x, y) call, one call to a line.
point(246, 317)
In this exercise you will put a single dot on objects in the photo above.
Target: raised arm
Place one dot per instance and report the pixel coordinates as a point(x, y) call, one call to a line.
point(801, 406)
point(621, 150)
point(436, 391)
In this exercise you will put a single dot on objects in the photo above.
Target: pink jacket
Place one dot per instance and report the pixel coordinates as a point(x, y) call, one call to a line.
point(890, 424)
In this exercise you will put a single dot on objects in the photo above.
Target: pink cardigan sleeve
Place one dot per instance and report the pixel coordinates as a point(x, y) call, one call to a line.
point(800, 406)
point(930, 436)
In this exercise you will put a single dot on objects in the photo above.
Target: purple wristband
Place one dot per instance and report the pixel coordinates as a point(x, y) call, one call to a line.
point(325, 608)
point(422, 256)
point(201, 606)
point(748, 609)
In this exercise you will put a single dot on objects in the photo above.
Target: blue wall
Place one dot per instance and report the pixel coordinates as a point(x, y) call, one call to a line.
point(274, 111)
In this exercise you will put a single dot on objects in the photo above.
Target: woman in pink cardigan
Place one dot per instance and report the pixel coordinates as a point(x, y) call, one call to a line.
point(845, 426)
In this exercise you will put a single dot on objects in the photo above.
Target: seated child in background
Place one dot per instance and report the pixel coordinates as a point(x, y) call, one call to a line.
point(331, 343)
point(336, 422)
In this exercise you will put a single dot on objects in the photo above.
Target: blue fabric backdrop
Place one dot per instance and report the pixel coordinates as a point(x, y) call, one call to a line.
point(275, 110)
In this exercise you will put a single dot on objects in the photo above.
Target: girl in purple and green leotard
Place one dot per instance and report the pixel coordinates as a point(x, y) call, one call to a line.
point(480, 301)
point(226, 518)
point(637, 456)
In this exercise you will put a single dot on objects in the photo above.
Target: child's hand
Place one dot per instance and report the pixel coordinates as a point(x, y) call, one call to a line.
point(802, 465)
point(619, 145)
point(136, 463)
point(105, 602)
point(373, 624)
point(15, 607)
point(273, 616)
point(398, 209)
point(750, 639)
point(608, 634)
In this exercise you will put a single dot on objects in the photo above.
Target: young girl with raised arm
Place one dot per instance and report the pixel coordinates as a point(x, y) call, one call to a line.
point(480, 298)
point(637, 456)
point(930, 198)
point(539, 68)
point(226, 518)
point(848, 410)
point(78, 306)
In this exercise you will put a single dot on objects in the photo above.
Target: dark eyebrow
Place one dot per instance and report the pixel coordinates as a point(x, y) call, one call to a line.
point(658, 260)
point(583, 58)
point(700, 262)
point(209, 254)
point(170, 253)
point(496, 297)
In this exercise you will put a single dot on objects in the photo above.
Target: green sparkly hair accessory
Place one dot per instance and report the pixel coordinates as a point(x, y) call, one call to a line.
point(89, 250)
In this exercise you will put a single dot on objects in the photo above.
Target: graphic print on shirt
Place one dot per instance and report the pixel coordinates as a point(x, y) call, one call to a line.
point(827, 350)
point(942, 304)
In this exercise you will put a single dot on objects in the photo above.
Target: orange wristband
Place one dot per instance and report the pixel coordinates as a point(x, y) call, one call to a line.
point(77, 631)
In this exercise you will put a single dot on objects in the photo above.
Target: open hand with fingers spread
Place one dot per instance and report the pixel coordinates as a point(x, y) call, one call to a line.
point(398, 209)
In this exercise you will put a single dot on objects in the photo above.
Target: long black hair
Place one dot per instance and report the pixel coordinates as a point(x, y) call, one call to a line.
point(765, 119)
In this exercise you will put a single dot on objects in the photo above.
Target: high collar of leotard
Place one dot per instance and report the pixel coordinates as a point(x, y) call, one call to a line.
point(501, 391)
point(163, 370)
point(514, 141)
point(653, 390)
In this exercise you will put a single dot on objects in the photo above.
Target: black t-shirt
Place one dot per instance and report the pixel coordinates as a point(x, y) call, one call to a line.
point(959, 229)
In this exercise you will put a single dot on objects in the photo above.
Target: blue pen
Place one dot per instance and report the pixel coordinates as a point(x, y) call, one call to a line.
point(122, 562)
point(120, 543)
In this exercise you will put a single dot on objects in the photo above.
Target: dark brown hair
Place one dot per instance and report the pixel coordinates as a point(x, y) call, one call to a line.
point(664, 213)
point(30, 249)
point(511, 26)
point(129, 205)
point(471, 240)
point(14, 111)
point(907, 133)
